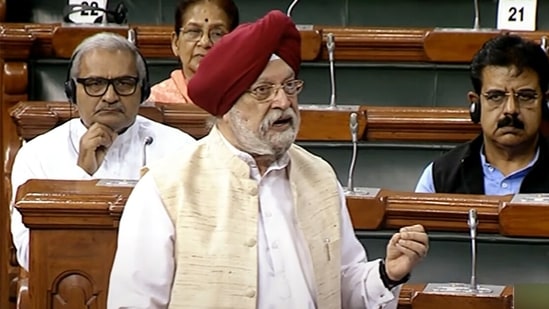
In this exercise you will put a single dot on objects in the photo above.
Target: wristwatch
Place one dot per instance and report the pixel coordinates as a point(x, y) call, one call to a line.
point(387, 282)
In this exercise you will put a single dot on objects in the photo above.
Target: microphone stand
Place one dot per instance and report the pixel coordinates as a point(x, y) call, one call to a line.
point(353, 126)
point(472, 222)
point(291, 7)
point(148, 141)
point(476, 24)
point(330, 46)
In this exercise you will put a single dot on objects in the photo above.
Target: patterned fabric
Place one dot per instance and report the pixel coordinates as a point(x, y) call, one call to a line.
point(213, 203)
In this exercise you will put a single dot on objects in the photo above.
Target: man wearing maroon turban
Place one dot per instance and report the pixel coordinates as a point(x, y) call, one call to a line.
point(247, 219)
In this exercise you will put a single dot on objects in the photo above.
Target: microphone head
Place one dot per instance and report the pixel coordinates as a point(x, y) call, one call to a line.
point(353, 125)
point(330, 45)
point(148, 140)
point(473, 220)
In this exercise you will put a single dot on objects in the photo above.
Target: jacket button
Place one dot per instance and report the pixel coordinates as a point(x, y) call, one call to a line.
point(250, 293)
point(251, 242)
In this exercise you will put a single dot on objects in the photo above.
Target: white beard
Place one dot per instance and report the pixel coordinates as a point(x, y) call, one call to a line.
point(259, 142)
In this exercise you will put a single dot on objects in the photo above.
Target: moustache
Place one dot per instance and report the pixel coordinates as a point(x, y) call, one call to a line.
point(511, 120)
point(276, 114)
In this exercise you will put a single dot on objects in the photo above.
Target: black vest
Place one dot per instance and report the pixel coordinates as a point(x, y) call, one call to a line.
point(460, 170)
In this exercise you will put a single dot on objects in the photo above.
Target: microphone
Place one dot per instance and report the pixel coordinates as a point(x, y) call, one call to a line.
point(353, 126)
point(476, 25)
point(148, 140)
point(131, 36)
point(330, 45)
point(543, 44)
point(472, 222)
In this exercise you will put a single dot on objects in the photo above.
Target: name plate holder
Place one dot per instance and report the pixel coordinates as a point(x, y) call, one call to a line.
point(463, 296)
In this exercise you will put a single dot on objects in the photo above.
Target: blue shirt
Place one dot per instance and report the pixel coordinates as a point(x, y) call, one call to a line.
point(495, 183)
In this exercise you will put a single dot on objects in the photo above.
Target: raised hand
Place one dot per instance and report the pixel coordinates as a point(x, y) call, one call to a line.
point(405, 249)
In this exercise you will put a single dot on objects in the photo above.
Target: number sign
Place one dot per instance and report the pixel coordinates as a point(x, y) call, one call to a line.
point(517, 14)
point(87, 16)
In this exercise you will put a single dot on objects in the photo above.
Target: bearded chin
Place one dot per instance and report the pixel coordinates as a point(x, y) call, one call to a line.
point(281, 142)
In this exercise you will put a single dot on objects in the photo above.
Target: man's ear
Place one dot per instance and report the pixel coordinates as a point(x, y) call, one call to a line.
point(473, 97)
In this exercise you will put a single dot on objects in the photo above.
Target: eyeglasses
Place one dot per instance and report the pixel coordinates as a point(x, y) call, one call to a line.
point(97, 86)
point(523, 97)
point(267, 92)
point(195, 34)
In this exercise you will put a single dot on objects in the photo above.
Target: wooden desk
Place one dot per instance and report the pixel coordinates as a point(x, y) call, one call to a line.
point(74, 228)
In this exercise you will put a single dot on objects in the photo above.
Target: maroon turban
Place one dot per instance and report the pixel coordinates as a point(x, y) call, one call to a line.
point(237, 60)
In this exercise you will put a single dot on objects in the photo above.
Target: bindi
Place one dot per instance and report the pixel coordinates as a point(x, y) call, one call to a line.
point(206, 20)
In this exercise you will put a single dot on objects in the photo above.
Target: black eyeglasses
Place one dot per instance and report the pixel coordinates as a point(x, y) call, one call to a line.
point(97, 86)
point(195, 34)
point(266, 92)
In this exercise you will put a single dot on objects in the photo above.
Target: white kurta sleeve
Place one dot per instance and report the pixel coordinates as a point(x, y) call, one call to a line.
point(361, 285)
point(143, 268)
point(29, 165)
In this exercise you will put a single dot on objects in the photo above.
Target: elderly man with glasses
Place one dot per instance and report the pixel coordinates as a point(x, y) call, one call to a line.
point(510, 76)
point(107, 81)
point(246, 218)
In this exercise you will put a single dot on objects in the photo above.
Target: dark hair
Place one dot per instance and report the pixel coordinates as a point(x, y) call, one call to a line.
point(510, 50)
point(228, 6)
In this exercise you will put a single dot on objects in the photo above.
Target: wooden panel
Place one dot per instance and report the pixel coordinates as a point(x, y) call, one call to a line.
point(319, 123)
point(351, 43)
point(153, 41)
point(375, 44)
point(524, 219)
point(458, 45)
point(73, 239)
point(429, 124)
point(66, 38)
point(322, 123)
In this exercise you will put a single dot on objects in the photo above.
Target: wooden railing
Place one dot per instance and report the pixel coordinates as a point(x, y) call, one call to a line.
point(319, 122)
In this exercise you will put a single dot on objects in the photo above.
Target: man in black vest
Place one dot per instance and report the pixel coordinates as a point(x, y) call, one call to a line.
point(510, 76)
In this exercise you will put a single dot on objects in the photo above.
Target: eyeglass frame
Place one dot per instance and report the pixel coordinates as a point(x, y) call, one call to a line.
point(274, 90)
point(110, 81)
point(516, 95)
point(183, 31)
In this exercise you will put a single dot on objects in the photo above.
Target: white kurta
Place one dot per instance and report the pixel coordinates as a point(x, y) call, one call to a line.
point(144, 265)
point(54, 155)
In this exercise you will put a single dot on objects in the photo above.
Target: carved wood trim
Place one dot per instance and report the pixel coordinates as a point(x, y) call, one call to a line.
point(352, 43)
point(4, 214)
point(319, 123)
point(13, 78)
point(388, 210)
